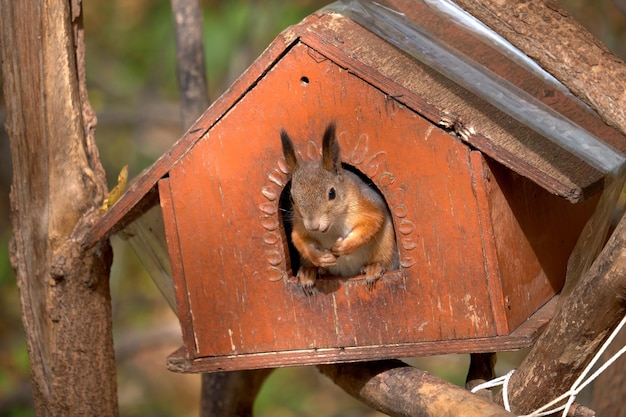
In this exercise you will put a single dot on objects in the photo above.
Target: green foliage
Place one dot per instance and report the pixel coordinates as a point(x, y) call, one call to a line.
point(128, 46)
point(21, 411)
point(304, 392)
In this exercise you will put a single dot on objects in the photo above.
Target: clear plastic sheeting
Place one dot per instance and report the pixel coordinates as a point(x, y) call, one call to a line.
point(146, 235)
point(452, 12)
point(415, 40)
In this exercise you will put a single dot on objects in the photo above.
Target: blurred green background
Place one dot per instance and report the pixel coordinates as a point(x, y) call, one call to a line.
point(132, 87)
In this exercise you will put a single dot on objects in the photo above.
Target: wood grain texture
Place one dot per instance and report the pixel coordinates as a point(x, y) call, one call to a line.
point(138, 196)
point(486, 54)
point(595, 306)
point(534, 233)
point(412, 84)
point(543, 30)
point(435, 187)
point(524, 336)
point(437, 98)
point(58, 186)
point(461, 243)
point(421, 170)
point(397, 389)
point(609, 390)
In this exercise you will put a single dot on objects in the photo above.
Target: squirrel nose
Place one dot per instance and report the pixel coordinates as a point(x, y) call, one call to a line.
point(312, 225)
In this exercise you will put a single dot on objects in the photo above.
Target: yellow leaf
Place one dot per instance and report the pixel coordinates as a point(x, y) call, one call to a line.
point(117, 191)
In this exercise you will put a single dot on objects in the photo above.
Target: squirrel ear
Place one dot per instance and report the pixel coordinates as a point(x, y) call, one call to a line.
point(331, 153)
point(288, 150)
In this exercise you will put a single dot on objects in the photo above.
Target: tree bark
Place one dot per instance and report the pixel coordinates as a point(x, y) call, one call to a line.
point(609, 390)
point(231, 394)
point(594, 308)
point(580, 61)
point(58, 185)
point(396, 389)
point(190, 65)
point(481, 370)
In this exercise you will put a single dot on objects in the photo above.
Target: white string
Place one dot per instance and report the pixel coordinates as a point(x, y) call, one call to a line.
point(502, 380)
point(581, 382)
point(577, 386)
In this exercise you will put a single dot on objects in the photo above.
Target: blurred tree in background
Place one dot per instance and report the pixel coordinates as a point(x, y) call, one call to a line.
point(133, 89)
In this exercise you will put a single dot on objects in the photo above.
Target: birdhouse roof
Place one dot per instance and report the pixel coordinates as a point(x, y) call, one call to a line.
point(435, 59)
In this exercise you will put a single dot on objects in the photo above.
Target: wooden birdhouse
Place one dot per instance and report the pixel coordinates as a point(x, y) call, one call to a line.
point(489, 167)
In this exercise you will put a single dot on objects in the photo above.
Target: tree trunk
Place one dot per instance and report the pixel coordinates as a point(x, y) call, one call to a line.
point(231, 394)
point(58, 185)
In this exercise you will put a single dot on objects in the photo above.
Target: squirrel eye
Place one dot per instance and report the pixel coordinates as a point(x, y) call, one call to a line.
point(332, 194)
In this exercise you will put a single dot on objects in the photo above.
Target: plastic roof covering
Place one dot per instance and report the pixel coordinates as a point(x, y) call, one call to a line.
point(396, 28)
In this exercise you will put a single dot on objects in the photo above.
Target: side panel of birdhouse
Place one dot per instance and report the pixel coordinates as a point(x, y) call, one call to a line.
point(225, 196)
point(534, 235)
point(183, 310)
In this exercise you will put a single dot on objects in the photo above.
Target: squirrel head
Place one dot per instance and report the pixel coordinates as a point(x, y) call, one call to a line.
point(319, 192)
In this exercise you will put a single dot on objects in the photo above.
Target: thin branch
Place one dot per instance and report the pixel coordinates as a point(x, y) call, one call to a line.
point(190, 65)
point(394, 388)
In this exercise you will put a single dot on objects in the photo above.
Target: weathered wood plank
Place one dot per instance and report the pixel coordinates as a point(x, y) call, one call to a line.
point(578, 59)
point(439, 99)
point(523, 337)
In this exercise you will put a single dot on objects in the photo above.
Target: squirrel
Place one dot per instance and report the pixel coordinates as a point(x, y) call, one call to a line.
point(340, 225)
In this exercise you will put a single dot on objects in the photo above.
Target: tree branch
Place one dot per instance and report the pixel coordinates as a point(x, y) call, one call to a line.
point(481, 370)
point(394, 388)
point(231, 394)
point(594, 308)
point(190, 65)
point(609, 390)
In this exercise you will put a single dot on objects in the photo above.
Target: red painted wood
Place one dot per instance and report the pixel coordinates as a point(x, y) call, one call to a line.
point(481, 247)
point(224, 221)
point(481, 178)
point(437, 98)
point(534, 233)
point(141, 194)
point(523, 337)
point(183, 310)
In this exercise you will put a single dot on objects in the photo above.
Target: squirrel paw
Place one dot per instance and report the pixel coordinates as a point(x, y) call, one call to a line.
point(306, 280)
point(327, 259)
point(341, 248)
point(372, 273)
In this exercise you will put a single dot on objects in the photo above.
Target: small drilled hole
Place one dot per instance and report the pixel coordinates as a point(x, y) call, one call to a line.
point(304, 80)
